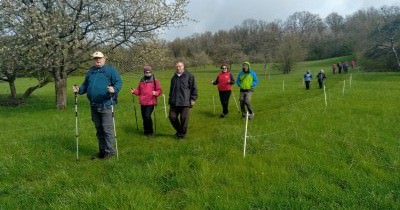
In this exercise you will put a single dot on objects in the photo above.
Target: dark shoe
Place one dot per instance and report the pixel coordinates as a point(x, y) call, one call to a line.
point(149, 134)
point(179, 136)
point(108, 155)
point(222, 116)
point(99, 155)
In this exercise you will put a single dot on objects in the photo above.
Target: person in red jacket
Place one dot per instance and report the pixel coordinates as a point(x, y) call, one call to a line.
point(148, 90)
point(224, 81)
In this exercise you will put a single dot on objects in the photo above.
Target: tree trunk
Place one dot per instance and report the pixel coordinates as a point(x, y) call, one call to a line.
point(395, 53)
point(30, 90)
point(61, 92)
point(13, 90)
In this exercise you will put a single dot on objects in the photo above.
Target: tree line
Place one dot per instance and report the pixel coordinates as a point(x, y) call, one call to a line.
point(371, 35)
point(52, 39)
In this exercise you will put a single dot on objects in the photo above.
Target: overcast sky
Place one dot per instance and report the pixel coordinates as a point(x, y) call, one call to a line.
point(214, 15)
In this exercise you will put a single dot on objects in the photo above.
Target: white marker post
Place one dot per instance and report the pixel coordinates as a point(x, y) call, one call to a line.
point(344, 85)
point(326, 103)
point(245, 135)
point(165, 106)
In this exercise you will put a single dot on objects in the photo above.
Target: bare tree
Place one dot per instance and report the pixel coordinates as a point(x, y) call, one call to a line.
point(290, 51)
point(65, 32)
point(387, 35)
point(335, 22)
point(304, 24)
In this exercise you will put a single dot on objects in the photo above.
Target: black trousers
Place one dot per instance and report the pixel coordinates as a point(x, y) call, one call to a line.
point(307, 84)
point(224, 98)
point(321, 83)
point(147, 121)
point(179, 118)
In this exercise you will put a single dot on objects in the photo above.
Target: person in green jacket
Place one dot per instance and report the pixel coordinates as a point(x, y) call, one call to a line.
point(246, 80)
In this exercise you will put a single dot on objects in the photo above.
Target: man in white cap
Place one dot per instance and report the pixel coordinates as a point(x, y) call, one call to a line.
point(102, 84)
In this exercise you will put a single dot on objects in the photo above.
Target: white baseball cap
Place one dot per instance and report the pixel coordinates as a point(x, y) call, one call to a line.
point(98, 54)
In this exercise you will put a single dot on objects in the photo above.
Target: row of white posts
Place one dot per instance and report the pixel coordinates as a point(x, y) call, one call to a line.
point(283, 88)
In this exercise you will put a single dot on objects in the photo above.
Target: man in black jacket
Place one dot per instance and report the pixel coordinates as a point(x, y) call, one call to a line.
point(182, 96)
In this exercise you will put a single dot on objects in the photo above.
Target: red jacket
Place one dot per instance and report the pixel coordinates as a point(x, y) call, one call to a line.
point(224, 81)
point(145, 91)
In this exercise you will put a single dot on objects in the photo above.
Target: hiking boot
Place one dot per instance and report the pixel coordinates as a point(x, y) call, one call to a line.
point(108, 155)
point(179, 136)
point(222, 116)
point(251, 116)
point(149, 134)
point(100, 154)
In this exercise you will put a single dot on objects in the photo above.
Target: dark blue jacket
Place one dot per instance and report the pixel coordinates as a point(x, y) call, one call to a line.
point(97, 80)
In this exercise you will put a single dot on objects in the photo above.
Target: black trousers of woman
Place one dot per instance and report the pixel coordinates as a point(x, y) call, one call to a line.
point(147, 121)
point(224, 98)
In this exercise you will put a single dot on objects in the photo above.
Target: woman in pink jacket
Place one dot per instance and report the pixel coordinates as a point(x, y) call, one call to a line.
point(148, 90)
point(224, 81)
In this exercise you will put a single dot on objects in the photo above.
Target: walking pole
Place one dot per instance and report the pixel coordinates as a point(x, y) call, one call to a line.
point(155, 106)
point(213, 105)
point(234, 99)
point(155, 119)
point(134, 108)
point(76, 125)
point(165, 107)
point(115, 132)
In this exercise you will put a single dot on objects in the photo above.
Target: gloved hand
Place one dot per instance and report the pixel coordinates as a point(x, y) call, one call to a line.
point(110, 89)
point(192, 102)
point(75, 88)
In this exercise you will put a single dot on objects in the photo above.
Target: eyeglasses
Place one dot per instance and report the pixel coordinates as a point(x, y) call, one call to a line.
point(224, 68)
point(147, 72)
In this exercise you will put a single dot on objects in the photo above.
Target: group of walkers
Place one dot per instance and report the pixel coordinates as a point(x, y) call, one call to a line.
point(246, 81)
point(339, 66)
point(308, 77)
point(102, 84)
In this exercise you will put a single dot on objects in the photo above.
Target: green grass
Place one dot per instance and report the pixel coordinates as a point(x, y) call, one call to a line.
point(300, 153)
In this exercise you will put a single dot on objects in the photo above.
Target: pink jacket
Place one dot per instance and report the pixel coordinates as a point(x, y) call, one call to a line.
point(224, 81)
point(145, 91)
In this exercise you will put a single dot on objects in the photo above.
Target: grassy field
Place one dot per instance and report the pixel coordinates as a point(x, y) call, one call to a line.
point(301, 154)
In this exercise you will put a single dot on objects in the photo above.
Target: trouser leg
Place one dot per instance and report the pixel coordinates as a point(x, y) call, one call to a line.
point(173, 118)
point(248, 102)
point(242, 103)
point(224, 98)
point(103, 121)
point(184, 118)
point(147, 121)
